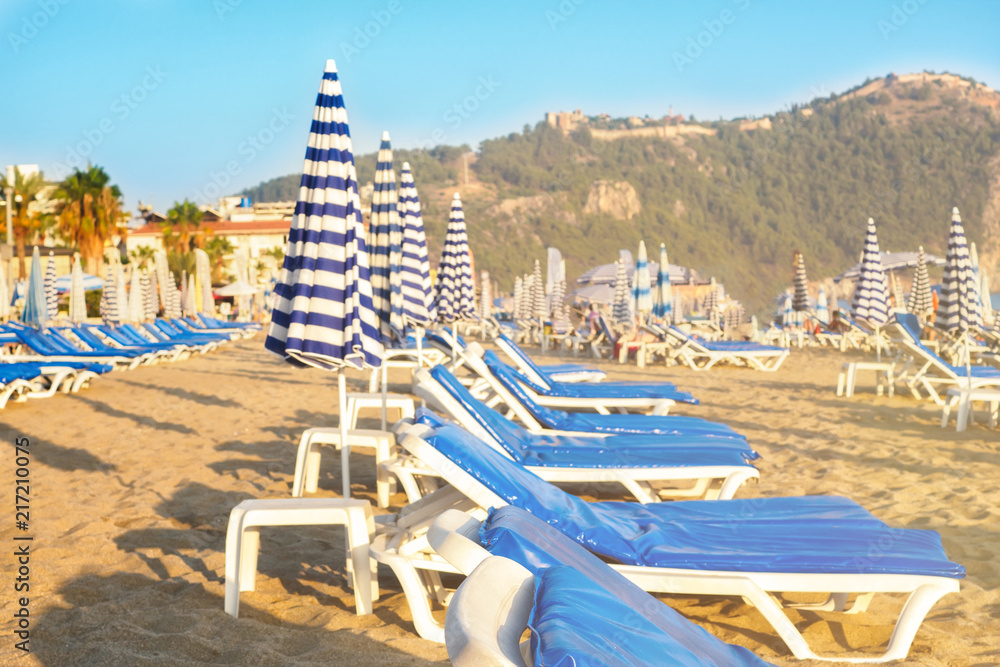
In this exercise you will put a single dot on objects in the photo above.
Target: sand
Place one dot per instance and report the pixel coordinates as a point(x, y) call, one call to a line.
point(133, 480)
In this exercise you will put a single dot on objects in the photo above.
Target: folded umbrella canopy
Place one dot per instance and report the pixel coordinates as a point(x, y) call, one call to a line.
point(323, 314)
point(36, 310)
point(51, 296)
point(642, 293)
point(418, 301)
point(663, 303)
point(77, 297)
point(921, 301)
point(455, 298)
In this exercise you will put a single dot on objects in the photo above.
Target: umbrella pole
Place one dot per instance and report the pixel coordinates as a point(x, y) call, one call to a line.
point(385, 390)
point(878, 346)
point(345, 446)
point(968, 360)
point(420, 346)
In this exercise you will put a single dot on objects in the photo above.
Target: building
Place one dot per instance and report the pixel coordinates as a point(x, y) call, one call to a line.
point(255, 228)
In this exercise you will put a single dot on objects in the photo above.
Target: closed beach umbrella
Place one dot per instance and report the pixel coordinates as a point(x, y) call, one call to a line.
point(871, 294)
point(788, 312)
point(204, 300)
point(897, 295)
point(323, 314)
point(136, 309)
point(800, 300)
point(386, 244)
point(36, 309)
point(109, 298)
point(4, 297)
point(173, 297)
point(191, 297)
point(663, 303)
point(51, 296)
point(77, 298)
point(958, 308)
point(989, 315)
point(621, 308)
point(920, 303)
point(148, 297)
point(455, 290)
point(418, 301)
point(485, 297)
point(121, 295)
point(154, 288)
point(822, 307)
point(642, 291)
point(163, 278)
point(711, 305)
point(557, 305)
point(520, 292)
point(538, 308)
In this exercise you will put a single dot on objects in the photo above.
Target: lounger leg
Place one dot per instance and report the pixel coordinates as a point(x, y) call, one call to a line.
point(914, 611)
point(416, 596)
point(249, 550)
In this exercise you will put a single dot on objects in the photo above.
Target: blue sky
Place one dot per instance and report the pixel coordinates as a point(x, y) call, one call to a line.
point(166, 94)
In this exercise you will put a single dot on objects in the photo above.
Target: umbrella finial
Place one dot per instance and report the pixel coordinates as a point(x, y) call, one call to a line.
point(954, 212)
point(385, 135)
point(331, 66)
point(457, 196)
point(406, 166)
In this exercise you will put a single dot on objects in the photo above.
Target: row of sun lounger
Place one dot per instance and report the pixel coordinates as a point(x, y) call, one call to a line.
point(37, 364)
point(481, 503)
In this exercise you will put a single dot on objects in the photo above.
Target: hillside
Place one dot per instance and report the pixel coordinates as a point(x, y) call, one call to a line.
point(734, 203)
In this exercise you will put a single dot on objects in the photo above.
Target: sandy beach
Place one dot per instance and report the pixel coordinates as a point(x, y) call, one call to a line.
point(133, 479)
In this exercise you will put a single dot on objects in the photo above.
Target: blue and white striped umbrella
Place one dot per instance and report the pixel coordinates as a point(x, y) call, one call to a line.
point(418, 300)
point(958, 309)
point(711, 304)
point(323, 313)
point(557, 301)
point(109, 298)
point(518, 298)
point(663, 303)
point(921, 302)
point(51, 295)
point(788, 311)
point(204, 301)
point(148, 297)
point(386, 244)
point(538, 308)
point(642, 291)
point(800, 300)
point(36, 309)
point(871, 292)
point(455, 289)
point(621, 311)
point(822, 307)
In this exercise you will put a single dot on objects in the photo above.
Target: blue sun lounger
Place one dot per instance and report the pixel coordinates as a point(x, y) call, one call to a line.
point(579, 610)
point(538, 417)
point(749, 548)
point(54, 349)
point(572, 373)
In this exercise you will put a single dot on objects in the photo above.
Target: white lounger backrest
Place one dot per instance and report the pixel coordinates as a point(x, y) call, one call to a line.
point(473, 356)
point(517, 355)
point(488, 614)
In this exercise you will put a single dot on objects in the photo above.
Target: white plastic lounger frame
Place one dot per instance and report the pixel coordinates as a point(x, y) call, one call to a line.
point(638, 480)
point(756, 587)
point(934, 373)
point(473, 356)
point(515, 356)
point(696, 356)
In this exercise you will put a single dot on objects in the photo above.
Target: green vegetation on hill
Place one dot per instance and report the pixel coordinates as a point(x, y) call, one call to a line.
point(734, 205)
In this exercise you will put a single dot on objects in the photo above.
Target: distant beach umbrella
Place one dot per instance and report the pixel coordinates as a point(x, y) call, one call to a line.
point(557, 302)
point(788, 311)
point(958, 308)
point(418, 299)
point(800, 301)
point(822, 307)
point(663, 303)
point(148, 297)
point(51, 297)
point(642, 291)
point(183, 293)
point(77, 295)
point(733, 317)
point(897, 295)
point(203, 278)
point(163, 279)
point(455, 290)
point(36, 309)
point(678, 308)
point(485, 297)
point(621, 311)
point(109, 298)
point(136, 310)
point(871, 292)
point(921, 303)
point(555, 269)
point(518, 298)
point(154, 308)
point(711, 304)
point(538, 309)
point(173, 310)
point(386, 245)
point(989, 315)
point(4, 297)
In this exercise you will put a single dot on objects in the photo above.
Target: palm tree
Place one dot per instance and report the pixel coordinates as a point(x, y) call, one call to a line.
point(142, 255)
point(180, 263)
point(217, 248)
point(90, 212)
point(27, 223)
point(182, 230)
